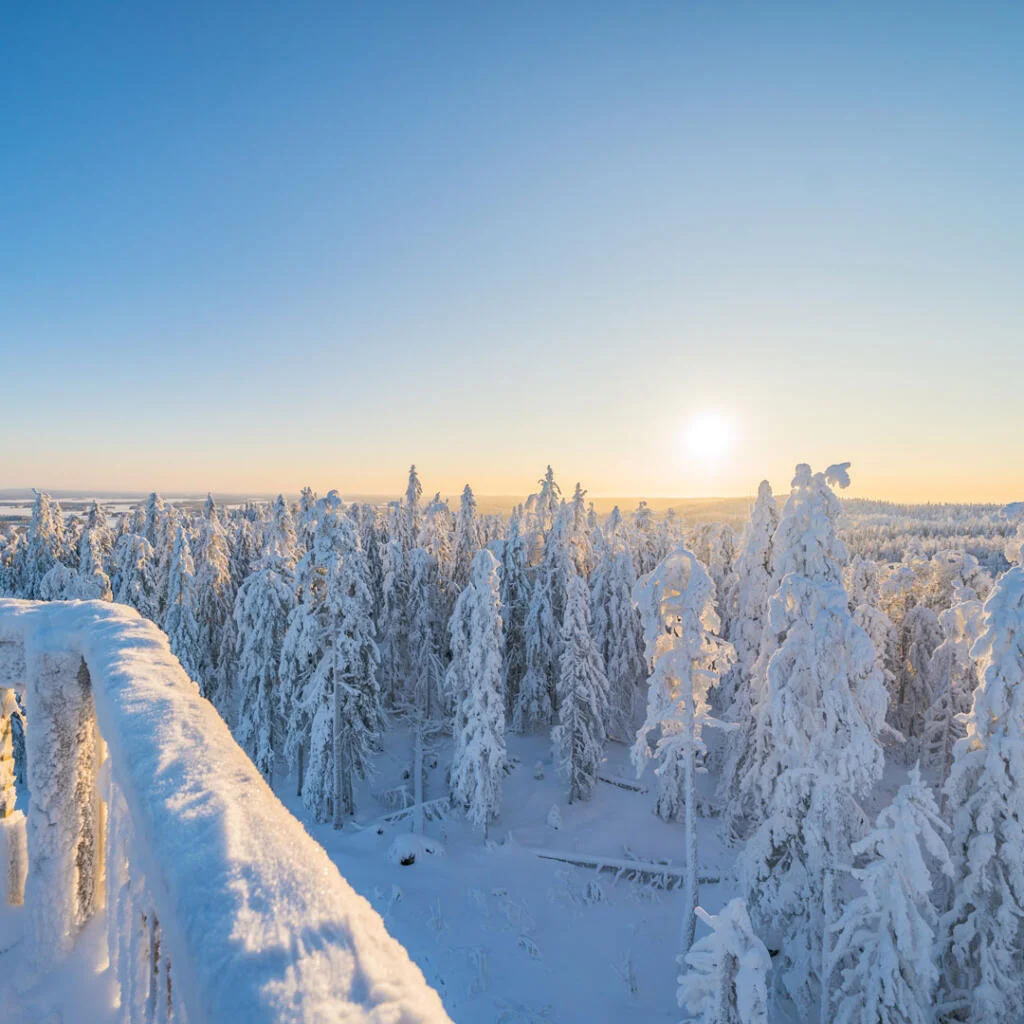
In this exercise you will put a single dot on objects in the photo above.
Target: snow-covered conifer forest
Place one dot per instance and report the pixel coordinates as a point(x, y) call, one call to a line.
point(627, 767)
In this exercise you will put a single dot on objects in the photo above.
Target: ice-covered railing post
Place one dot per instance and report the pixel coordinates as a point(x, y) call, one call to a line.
point(62, 751)
point(214, 904)
point(13, 858)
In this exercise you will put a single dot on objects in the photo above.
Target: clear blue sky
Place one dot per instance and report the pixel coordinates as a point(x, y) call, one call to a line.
point(253, 245)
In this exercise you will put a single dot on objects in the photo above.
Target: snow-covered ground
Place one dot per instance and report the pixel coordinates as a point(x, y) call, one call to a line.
point(504, 935)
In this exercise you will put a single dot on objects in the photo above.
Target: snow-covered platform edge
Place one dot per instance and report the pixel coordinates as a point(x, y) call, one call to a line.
point(260, 925)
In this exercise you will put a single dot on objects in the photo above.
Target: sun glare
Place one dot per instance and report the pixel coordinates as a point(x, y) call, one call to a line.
point(708, 437)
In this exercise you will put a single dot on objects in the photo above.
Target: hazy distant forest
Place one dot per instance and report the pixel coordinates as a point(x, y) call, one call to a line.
point(795, 735)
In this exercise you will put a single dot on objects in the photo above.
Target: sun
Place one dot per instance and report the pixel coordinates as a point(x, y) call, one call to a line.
point(708, 436)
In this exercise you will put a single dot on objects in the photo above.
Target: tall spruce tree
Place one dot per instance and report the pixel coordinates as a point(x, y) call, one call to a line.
point(579, 737)
point(687, 657)
point(479, 759)
point(983, 930)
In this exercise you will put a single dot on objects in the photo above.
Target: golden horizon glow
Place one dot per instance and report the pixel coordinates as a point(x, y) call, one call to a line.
point(676, 474)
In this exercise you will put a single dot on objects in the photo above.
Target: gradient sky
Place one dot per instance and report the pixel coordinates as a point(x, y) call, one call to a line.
point(257, 245)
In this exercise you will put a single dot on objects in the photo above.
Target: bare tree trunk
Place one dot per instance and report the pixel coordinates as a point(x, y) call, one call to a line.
point(690, 829)
point(349, 804)
point(339, 759)
point(826, 954)
point(417, 775)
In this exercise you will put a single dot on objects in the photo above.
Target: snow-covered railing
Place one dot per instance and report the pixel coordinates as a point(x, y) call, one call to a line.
point(216, 905)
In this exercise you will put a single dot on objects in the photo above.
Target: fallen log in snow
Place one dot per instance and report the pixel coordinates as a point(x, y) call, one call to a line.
point(661, 876)
point(433, 810)
point(622, 784)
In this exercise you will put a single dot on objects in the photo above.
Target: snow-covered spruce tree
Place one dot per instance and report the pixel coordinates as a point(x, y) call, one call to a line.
point(677, 608)
point(329, 695)
point(44, 541)
point(216, 600)
point(533, 701)
point(279, 544)
point(578, 739)
point(921, 635)
point(862, 589)
point(307, 637)
point(1013, 550)
point(804, 542)
point(467, 538)
point(669, 533)
point(714, 544)
point(819, 710)
point(474, 681)
point(515, 601)
point(132, 581)
point(181, 623)
point(644, 539)
point(948, 572)
point(983, 930)
point(884, 948)
point(407, 525)
point(426, 623)
point(102, 540)
point(595, 534)
point(93, 555)
point(536, 701)
point(544, 509)
point(262, 607)
point(244, 551)
point(953, 676)
point(358, 712)
point(162, 525)
point(302, 651)
point(155, 509)
point(394, 616)
point(10, 555)
point(305, 520)
point(436, 537)
point(897, 594)
point(750, 589)
point(727, 970)
point(619, 635)
point(753, 571)
point(71, 538)
point(578, 535)
point(372, 538)
point(61, 583)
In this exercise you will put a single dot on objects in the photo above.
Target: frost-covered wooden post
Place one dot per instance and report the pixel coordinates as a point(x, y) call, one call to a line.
point(13, 856)
point(65, 815)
